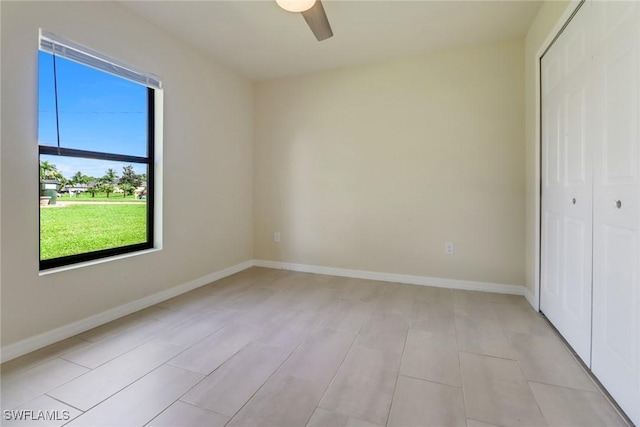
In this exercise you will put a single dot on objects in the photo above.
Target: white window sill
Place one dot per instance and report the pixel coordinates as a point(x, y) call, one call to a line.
point(97, 261)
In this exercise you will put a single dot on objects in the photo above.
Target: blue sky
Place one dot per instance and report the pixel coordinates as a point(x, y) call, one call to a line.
point(97, 112)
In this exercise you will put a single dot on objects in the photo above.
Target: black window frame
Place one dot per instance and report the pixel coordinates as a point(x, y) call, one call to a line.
point(149, 160)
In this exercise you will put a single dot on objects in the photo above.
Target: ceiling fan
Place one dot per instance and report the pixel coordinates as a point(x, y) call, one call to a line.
point(313, 13)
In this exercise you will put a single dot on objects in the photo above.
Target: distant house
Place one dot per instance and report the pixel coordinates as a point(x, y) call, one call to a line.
point(74, 188)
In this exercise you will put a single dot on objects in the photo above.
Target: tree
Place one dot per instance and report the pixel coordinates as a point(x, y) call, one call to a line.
point(63, 181)
point(48, 170)
point(130, 177)
point(106, 188)
point(107, 182)
point(79, 178)
point(93, 189)
point(110, 176)
point(127, 189)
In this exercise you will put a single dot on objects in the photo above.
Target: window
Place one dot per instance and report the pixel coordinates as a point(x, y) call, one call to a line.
point(96, 152)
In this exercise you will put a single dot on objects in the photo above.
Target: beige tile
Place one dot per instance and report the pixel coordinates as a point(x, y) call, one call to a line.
point(47, 412)
point(261, 317)
point(281, 301)
point(433, 316)
point(298, 290)
point(198, 328)
point(249, 299)
point(283, 401)
point(354, 422)
point(92, 388)
point(291, 395)
point(384, 332)
point(174, 316)
point(462, 297)
point(364, 385)
point(423, 403)
point(320, 300)
point(230, 286)
point(25, 386)
point(294, 282)
point(546, 360)
point(344, 285)
point(140, 402)
point(126, 324)
point(266, 384)
point(431, 293)
point(474, 304)
point(475, 423)
point(326, 418)
point(483, 336)
point(184, 415)
point(496, 392)
point(285, 282)
point(479, 309)
point(188, 305)
point(398, 301)
point(313, 278)
point(568, 407)
point(365, 290)
point(256, 276)
point(348, 316)
point(431, 356)
point(233, 384)
point(109, 348)
point(319, 357)
point(522, 319)
point(292, 329)
point(291, 292)
point(186, 299)
point(214, 350)
point(35, 358)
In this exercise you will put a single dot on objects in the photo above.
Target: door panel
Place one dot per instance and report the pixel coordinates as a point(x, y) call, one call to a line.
point(553, 146)
point(616, 279)
point(576, 294)
point(576, 149)
point(620, 118)
point(552, 232)
point(619, 252)
point(567, 187)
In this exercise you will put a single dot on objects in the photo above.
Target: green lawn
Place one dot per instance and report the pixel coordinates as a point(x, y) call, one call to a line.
point(75, 229)
point(99, 197)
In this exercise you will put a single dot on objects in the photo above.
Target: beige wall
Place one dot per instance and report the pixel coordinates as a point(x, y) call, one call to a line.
point(375, 167)
point(207, 167)
point(540, 33)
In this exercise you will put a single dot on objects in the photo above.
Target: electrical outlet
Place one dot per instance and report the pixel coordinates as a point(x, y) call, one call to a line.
point(448, 248)
point(276, 236)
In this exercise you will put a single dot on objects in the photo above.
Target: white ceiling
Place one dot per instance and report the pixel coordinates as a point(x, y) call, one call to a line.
point(261, 41)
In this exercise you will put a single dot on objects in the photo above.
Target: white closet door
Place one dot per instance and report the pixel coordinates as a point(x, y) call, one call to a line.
point(616, 276)
point(567, 184)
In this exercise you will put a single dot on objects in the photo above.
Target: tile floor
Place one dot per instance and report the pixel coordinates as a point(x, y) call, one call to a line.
point(276, 348)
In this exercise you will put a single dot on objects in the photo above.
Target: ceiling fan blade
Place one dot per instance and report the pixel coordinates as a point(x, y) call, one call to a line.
point(318, 22)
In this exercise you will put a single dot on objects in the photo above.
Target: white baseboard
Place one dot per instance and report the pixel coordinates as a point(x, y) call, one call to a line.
point(28, 345)
point(398, 278)
point(530, 296)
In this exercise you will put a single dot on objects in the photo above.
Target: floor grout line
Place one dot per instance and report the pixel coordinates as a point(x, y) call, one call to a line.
point(395, 387)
